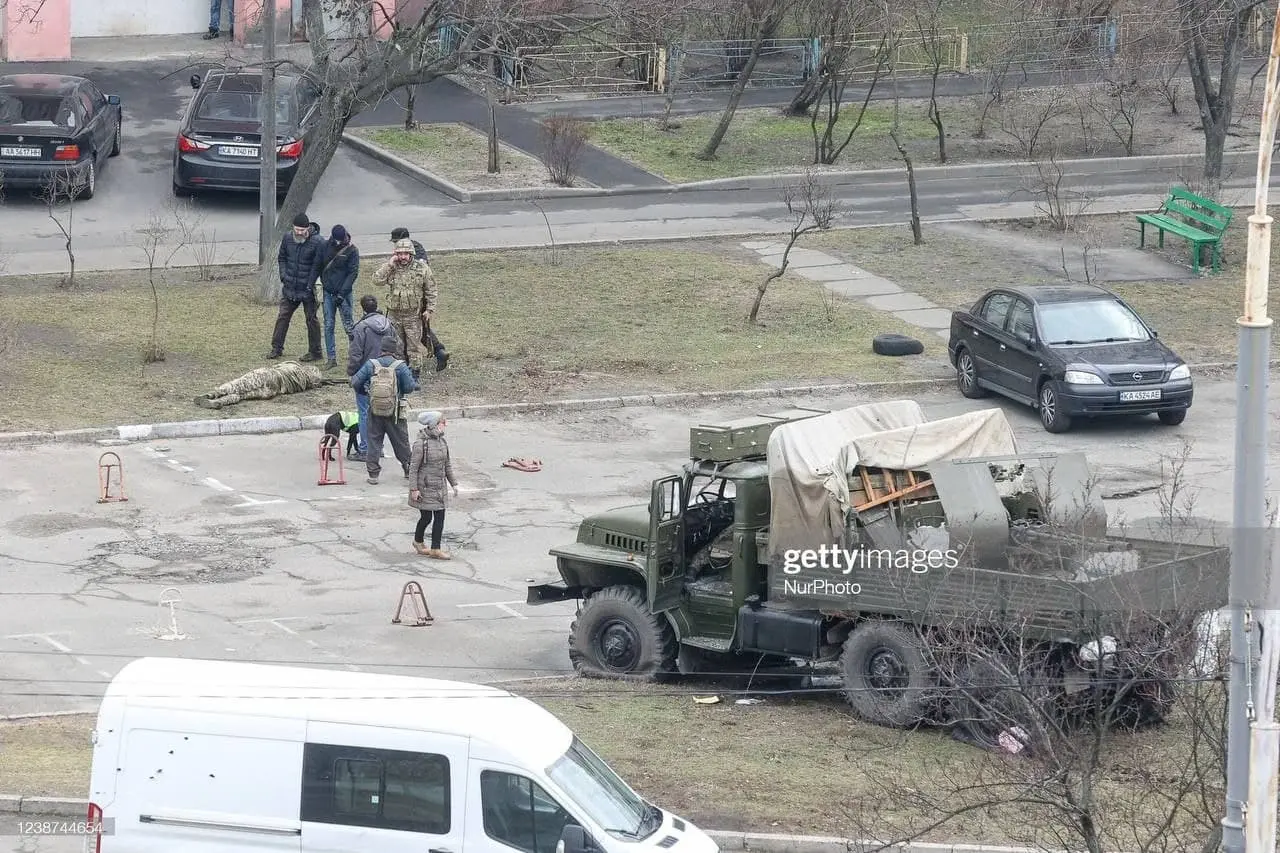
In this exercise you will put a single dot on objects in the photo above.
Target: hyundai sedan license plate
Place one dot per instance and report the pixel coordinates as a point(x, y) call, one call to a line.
point(1135, 396)
point(239, 151)
point(19, 152)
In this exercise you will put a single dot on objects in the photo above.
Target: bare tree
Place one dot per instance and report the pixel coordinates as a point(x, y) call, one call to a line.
point(357, 73)
point(152, 238)
point(917, 234)
point(1213, 31)
point(827, 147)
point(811, 208)
point(60, 195)
point(762, 18)
point(1026, 114)
point(838, 25)
point(1056, 200)
point(926, 18)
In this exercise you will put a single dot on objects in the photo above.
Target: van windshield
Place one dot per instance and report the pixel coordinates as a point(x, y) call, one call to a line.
point(599, 792)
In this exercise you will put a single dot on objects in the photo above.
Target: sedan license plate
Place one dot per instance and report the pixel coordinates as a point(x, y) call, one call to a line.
point(239, 151)
point(1135, 396)
point(20, 152)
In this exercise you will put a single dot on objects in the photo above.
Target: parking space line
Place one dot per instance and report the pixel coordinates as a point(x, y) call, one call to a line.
point(504, 606)
point(58, 647)
point(214, 484)
point(279, 621)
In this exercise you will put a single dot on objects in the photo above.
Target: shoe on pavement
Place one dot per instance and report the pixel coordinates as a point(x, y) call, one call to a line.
point(422, 549)
point(372, 481)
point(212, 34)
point(438, 554)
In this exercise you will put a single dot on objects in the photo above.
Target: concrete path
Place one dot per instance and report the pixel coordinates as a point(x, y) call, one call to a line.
point(850, 282)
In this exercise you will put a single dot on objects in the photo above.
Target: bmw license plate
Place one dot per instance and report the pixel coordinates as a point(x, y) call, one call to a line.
point(239, 151)
point(20, 152)
point(1135, 396)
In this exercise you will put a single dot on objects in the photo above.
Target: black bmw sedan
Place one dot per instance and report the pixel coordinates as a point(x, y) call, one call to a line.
point(1070, 351)
point(56, 131)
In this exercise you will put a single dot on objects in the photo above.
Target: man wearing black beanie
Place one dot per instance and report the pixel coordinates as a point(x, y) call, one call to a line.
point(301, 259)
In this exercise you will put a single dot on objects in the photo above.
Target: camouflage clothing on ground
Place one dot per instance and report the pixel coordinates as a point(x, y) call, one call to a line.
point(263, 383)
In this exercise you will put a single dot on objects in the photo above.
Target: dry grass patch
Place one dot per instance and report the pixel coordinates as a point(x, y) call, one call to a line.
point(595, 322)
point(459, 154)
point(46, 757)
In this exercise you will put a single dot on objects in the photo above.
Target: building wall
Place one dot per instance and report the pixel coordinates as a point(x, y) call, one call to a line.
point(35, 32)
point(90, 18)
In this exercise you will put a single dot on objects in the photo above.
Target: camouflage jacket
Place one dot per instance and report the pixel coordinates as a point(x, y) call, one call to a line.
point(411, 288)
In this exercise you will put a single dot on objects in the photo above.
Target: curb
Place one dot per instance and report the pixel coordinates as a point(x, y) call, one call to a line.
point(761, 842)
point(263, 425)
point(457, 193)
point(1088, 165)
point(119, 435)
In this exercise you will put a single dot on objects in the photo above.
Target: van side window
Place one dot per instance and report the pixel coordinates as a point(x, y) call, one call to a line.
point(377, 788)
point(520, 814)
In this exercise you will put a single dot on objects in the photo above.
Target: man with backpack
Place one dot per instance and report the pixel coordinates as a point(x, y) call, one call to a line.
point(385, 380)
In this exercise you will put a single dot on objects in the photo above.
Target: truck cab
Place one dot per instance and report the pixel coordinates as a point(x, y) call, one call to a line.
point(663, 583)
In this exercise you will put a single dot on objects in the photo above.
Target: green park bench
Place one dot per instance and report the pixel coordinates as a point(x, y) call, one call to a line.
point(1208, 222)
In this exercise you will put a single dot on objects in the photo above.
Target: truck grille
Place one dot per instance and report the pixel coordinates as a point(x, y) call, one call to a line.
point(624, 543)
point(1137, 377)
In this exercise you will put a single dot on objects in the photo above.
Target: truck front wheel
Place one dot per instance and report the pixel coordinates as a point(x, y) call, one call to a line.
point(616, 636)
point(886, 677)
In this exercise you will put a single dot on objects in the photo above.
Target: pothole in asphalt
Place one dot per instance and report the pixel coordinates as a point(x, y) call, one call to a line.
point(55, 524)
point(178, 559)
point(607, 428)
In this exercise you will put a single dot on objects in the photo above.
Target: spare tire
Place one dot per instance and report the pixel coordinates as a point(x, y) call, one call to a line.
point(890, 344)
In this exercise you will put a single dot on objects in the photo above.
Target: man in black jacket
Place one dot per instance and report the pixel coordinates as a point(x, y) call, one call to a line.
point(337, 277)
point(301, 258)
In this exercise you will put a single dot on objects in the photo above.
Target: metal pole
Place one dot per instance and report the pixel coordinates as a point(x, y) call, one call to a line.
point(267, 148)
point(1264, 758)
point(1250, 531)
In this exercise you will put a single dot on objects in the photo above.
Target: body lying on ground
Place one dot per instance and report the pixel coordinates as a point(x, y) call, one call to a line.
point(264, 383)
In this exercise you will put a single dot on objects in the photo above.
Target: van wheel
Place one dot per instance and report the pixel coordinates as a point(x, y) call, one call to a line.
point(887, 679)
point(616, 636)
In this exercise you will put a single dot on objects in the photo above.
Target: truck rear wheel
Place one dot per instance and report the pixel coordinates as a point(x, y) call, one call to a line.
point(887, 679)
point(616, 636)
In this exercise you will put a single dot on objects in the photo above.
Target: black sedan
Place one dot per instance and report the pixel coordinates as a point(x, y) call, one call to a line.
point(56, 131)
point(1069, 351)
point(219, 137)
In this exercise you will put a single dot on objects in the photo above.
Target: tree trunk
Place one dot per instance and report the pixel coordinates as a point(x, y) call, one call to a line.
point(493, 167)
point(410, 102)
point(1216, 104)
point(673, 81)
point(808, 96)
point(917, 235)
point(735, 96)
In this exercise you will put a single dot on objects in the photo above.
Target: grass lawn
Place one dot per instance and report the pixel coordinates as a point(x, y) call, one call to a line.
point(459, 154)
point(801, 765)
point(760, 141)
point(595, 322)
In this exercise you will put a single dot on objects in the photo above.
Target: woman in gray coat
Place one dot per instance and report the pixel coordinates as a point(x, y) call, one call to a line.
point(430, 468)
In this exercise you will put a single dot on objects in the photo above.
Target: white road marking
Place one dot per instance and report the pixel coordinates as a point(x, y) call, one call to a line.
point(48, 639)
point(108, 676)
point(504, 606)
point(248, 501)
point(279, 623)
point(186, 469)
point(214, 484)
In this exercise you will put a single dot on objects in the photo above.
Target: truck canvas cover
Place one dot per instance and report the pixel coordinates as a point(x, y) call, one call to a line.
point(810, 461)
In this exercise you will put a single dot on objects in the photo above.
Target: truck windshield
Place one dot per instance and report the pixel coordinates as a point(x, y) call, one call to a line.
point(599, 792)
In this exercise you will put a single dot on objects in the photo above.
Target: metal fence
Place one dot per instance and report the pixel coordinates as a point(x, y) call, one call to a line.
point(595, 68)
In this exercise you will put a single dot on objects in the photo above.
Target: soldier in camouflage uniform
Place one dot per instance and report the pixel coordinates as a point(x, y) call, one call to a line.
point(263, 383)
point(411, 289)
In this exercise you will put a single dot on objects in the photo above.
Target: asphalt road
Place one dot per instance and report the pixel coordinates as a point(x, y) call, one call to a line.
point(371, 199)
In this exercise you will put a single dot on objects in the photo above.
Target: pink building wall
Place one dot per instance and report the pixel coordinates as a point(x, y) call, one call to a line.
point(36, 30)
point(249, 15)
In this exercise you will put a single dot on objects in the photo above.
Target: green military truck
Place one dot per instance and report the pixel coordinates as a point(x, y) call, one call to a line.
point(911, 556)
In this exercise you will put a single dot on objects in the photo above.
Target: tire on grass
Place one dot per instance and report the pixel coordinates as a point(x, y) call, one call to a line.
point(896, 345)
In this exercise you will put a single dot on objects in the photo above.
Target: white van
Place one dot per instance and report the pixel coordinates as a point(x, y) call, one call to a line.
point(218, 756)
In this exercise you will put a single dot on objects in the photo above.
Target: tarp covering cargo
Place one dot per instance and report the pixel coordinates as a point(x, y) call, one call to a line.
point(809, 466)
point(801, 456)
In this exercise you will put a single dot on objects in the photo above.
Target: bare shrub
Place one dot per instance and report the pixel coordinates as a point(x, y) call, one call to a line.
point(1056, 202)
point(564, 138)
point(811, 207)
point(1025, 115)
point(60, 196)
